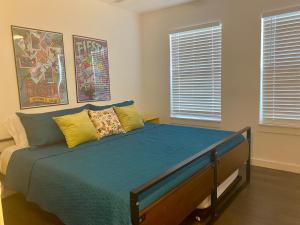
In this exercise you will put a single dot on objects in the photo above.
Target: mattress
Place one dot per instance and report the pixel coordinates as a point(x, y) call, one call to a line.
point(91, 184)
point(7, 153)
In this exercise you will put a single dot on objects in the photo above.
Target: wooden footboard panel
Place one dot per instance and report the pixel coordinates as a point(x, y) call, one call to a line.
point(172, 208)
point(232, 160)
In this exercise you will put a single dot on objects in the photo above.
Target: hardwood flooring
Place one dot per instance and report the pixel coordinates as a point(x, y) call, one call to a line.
point(272, 198)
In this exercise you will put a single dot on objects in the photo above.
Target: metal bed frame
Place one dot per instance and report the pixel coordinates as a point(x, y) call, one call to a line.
point(173, 207)
point(6, 140)
point(166, 211)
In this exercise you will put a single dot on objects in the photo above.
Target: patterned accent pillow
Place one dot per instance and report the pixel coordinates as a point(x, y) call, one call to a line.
point(106, 122)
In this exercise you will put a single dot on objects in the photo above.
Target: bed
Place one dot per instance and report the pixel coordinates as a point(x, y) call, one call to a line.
point(155, 175)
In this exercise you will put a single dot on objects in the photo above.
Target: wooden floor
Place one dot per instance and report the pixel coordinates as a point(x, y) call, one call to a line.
point(272, 198)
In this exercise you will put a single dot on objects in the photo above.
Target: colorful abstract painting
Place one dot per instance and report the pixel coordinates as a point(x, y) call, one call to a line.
point(40, 67)
point(92, 69)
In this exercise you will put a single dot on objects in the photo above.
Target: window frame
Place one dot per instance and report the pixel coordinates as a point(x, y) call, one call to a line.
point(184, 29)
point(281, 123)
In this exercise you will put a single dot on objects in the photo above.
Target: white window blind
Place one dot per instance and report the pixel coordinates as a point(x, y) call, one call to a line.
point(195, 64)
point(280, 69)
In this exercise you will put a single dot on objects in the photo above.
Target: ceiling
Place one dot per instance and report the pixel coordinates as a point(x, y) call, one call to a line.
point(141, 6)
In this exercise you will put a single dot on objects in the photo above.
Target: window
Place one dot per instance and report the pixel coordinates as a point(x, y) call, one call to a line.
point(195, 69)
point(280, 69)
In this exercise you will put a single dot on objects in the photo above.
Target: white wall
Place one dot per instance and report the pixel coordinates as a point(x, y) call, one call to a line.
point(273, 147)
point(81, 17)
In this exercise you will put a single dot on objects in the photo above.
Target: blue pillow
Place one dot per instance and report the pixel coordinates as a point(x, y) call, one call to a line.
point(121, 104)
point(41, 128)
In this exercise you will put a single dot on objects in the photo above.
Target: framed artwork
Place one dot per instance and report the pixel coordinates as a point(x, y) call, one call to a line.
point(40, 67)
point(92, 69)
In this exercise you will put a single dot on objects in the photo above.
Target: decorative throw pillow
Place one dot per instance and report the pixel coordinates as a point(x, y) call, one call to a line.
point(129, 117)
point(106, 122)
point(77, 128)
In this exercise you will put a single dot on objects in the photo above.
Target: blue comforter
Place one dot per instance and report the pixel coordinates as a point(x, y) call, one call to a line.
point(90, 184)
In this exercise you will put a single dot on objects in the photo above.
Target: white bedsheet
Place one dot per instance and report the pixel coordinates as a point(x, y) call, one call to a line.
point(222, 187)
point(5, 157)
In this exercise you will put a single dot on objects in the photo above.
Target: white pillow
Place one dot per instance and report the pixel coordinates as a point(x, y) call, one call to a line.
point(15, 128)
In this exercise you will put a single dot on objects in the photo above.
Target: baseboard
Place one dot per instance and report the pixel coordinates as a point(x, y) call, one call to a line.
point(289, 167)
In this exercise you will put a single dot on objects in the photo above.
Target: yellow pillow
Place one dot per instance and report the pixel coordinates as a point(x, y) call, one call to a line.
point(77, 128)
point(129, 117)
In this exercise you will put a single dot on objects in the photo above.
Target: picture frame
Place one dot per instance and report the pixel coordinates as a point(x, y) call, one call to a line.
point(40, 67)
point(91, 69)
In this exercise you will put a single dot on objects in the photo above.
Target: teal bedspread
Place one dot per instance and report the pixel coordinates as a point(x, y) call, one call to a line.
point(90, 184)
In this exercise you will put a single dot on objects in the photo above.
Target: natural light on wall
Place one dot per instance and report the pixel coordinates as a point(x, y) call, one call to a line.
point(280, 69)
point(195, 73)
